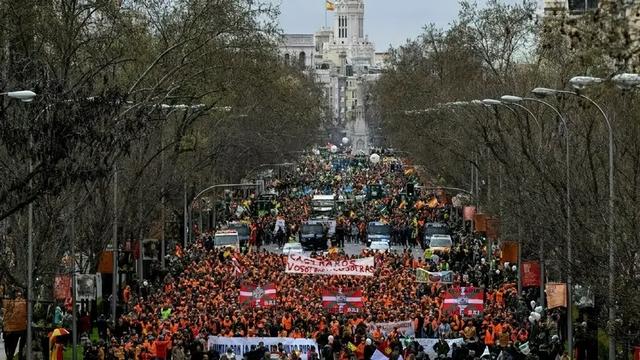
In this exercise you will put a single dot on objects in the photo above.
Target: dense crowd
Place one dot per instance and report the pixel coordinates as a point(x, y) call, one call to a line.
point(199, 297)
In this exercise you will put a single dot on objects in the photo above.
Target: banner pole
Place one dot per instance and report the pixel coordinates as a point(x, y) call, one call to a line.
point(325, 15)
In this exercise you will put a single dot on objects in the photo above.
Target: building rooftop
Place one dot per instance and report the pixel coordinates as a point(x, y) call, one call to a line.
point(298, 39)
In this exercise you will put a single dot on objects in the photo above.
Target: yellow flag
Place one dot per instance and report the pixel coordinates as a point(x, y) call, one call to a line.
point(351, 347)
point(330, 6)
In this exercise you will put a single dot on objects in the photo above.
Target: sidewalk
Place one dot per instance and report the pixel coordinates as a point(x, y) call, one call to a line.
point(2, 355)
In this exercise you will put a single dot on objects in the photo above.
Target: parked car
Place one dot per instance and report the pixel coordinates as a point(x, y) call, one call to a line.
point(440, 243)
point(379, 246)
point(378, 232)
point(292, 248)
point(313, 236)
point(434, 228)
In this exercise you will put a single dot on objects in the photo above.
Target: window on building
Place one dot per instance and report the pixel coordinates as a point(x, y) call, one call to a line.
point(302, 59)
point(361, 28)
point(287, 58)
point(342, 27)
point(579, 6)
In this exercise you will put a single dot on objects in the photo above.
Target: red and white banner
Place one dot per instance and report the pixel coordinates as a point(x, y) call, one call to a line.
point(342, 300)
point(530, 273)
point(300, 264)
point(256, 296)
point(465, 301)
point(62, 287)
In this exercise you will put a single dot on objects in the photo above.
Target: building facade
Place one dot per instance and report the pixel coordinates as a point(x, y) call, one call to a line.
point(343, 60)
point(580, 19)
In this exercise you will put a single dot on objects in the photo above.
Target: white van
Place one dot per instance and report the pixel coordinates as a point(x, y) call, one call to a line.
point(226, 238)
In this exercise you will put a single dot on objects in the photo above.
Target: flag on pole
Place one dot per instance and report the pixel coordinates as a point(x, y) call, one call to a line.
point(342, 300)
point(329, 5)
point(465, 301)
point(256, 296)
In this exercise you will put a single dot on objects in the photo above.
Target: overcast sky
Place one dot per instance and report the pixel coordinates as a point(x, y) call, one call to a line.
point(387, 22)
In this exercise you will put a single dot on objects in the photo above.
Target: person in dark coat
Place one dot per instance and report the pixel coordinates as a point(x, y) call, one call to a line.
point(369, 349)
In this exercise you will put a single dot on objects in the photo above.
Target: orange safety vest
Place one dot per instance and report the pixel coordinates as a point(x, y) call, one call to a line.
point(488, 337)
point(287, 324)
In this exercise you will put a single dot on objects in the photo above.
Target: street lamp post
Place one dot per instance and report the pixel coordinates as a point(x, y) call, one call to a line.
point(517, 99)
point(28, 96)
point(494, 102)
point(22, 95)
point(579, 83)
point(189, 220)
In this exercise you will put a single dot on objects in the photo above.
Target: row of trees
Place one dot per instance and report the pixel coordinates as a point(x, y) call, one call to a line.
point(173, 95)
point(507, 49)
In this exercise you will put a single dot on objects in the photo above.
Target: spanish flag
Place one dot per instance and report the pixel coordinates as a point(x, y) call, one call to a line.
point(329, 5)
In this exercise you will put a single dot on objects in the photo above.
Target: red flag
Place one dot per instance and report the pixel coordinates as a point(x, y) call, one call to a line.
point(62, 287)
point(342, 300)
point(464, 301)
point(385, 348)
point(136, 250)
point(256, 296)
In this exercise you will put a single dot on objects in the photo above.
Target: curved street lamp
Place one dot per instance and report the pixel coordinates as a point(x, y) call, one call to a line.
point(579, 83)
point(517, 99)
point(626, 81)
point(22, 95)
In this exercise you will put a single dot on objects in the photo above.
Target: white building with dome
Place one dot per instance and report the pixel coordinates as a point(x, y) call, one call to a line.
point(344, 61)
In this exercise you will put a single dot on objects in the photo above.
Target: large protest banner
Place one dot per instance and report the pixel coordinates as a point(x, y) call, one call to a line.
point(241, 346)
point(439, 277)
point(404, 327)
point(427, 344)
point(300, 264)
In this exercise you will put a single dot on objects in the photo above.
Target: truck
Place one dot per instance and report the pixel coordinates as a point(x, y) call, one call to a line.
point(434, 228)
point(323, 206)
point(378, 232)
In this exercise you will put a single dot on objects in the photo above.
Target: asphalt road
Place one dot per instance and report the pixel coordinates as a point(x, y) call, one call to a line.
point(355, 249)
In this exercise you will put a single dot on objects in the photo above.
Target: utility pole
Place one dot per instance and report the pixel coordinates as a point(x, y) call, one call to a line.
point(114, 285)
point(74, 321)
point(30, 263)
point(162, 201)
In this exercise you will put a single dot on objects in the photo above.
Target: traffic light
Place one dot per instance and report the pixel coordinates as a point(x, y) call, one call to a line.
point(410, 189)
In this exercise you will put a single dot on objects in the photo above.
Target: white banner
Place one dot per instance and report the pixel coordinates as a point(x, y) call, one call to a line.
point(300, 264)
point(85, 287)
point(241, 346)
point(427, 344)
point(404, 327)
